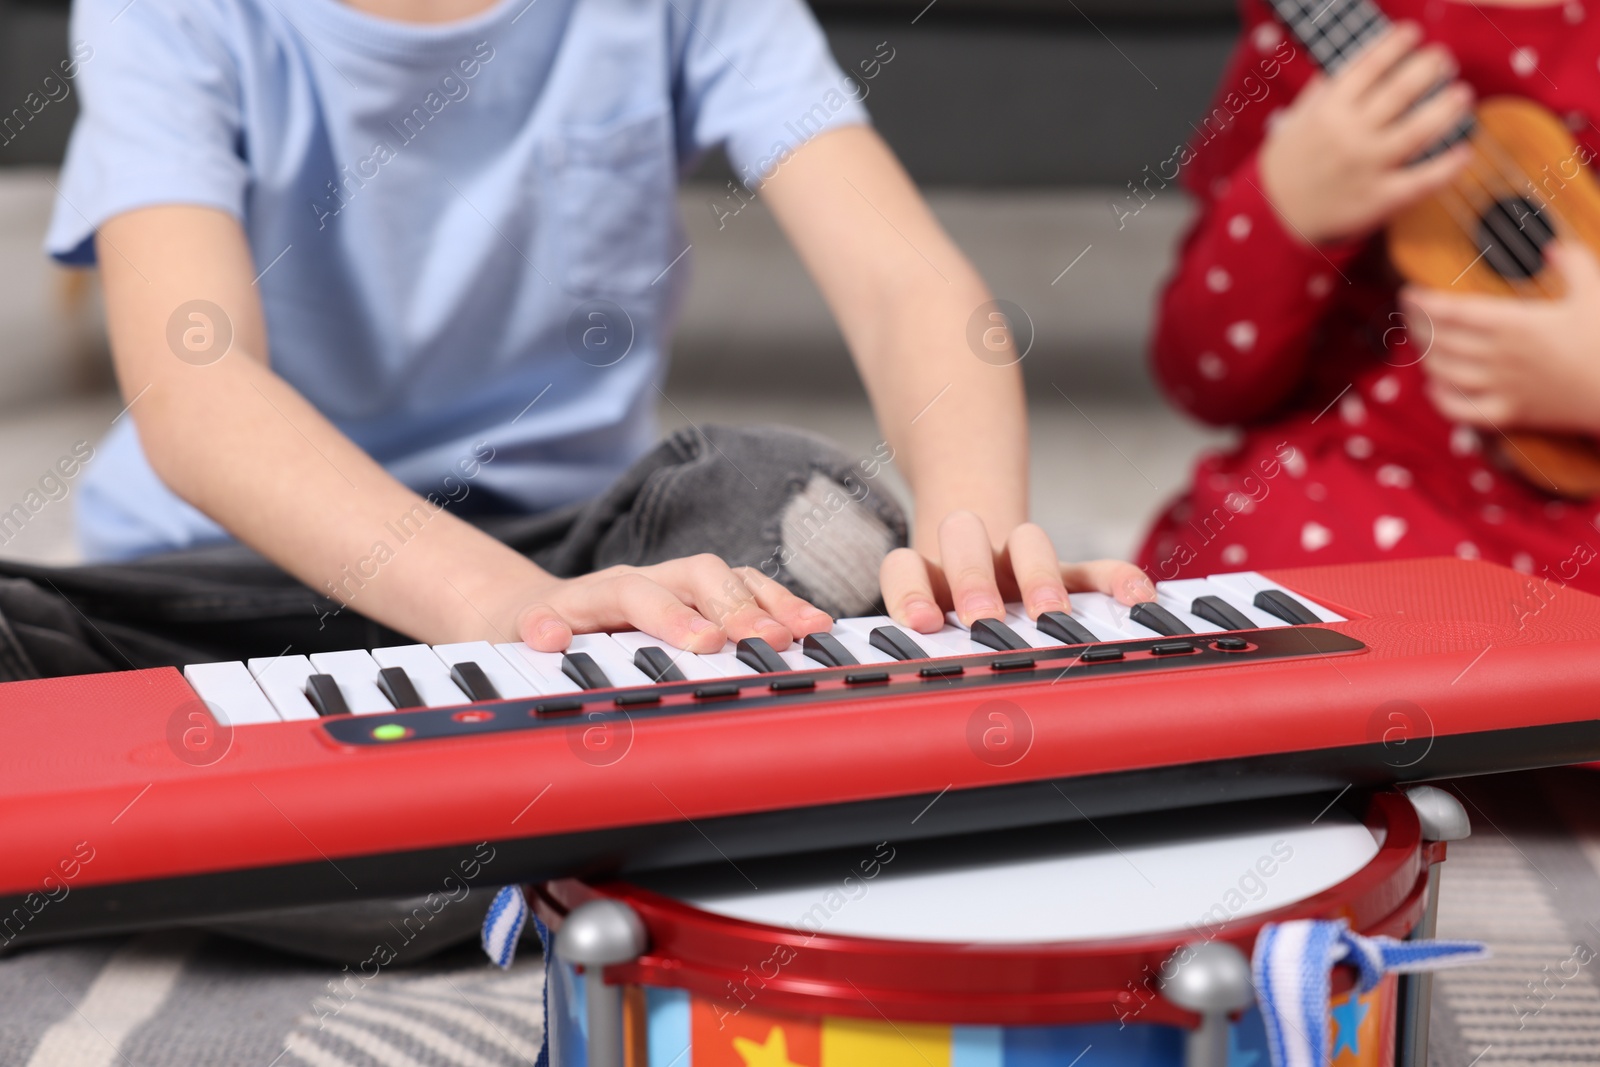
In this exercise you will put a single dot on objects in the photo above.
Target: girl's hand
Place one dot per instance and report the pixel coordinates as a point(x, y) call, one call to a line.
point(970, 578)
point(1338, 163)
point(698, 604)
point(1511, 364)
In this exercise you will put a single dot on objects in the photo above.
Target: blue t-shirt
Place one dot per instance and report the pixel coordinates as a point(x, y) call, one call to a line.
point(467, 234)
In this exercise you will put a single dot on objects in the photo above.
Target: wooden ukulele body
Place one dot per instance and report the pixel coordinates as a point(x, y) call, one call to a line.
point(1527, 158)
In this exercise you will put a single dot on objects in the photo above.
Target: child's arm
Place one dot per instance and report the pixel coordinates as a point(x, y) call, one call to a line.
point(239, 443)
point(904, 296)
point(1288, 211)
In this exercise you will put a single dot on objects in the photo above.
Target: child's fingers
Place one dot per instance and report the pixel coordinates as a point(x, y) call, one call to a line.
point(1448, 310)
point(1358, 76)
point(1467, 375)
point(967, 558)
point(1410, 184)
point(542, 627)
point(723, 597)
point(633, 599)
point(1406, 83)
point(794, 612)
point(908, 591)
point(1416, 131)
point(1114, 577)
point(1452, 344)
point(1484, 409)
point(1034, 567)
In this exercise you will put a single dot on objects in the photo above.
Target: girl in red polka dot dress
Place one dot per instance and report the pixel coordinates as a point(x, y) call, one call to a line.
point(1285, 319)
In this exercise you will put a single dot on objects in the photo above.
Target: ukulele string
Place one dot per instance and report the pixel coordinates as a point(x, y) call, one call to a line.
point(1504, 160)
point(1513, 235)
point(1509, 234)
point(1455, 201)
point(1504, 232)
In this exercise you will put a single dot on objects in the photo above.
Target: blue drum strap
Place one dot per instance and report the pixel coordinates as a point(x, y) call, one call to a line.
point(502, 926)
point(549, 958)
point(1293, 969)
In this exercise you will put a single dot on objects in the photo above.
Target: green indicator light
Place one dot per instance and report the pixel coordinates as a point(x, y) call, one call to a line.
point(389, 731)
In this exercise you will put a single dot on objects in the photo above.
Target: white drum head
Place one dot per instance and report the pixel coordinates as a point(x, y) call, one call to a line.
point(1111, 879)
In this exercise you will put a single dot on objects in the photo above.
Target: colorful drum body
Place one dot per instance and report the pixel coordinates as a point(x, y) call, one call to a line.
point(1046, 946)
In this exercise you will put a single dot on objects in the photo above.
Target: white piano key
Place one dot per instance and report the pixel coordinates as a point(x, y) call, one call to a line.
point(949, 641)
point(283, 680)
point(794, 659)
point(1244, 585)
point(1101, 630)
point(1018, 620)
point(694, 667)
point(860, 647)
point(231, 692)
point(611, 657)
point(726, 663)
point(1183, 592)
point(357, 675)
point(1014, 618)
point(797, 660)
point(507, 680)
point(426, 671)
point(1106, 618)
point(1175, 597)
point(543, 669)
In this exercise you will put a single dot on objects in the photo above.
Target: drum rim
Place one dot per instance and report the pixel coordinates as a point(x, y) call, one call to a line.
point(987, 983)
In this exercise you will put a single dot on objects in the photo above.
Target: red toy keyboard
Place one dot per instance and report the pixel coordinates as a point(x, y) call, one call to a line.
point(142, 797)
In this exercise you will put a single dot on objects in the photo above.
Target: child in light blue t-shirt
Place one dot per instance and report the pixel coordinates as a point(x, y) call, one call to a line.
point(356, 252)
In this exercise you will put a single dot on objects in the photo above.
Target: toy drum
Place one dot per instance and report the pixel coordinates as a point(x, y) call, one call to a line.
point(1118, 942)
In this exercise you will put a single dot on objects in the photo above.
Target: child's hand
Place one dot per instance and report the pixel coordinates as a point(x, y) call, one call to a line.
point(1338, 163)
point(973, 580)
point(697, 604)
point(1507, 363)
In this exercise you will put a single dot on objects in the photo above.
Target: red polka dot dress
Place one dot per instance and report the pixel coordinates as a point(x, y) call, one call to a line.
point(1341, 457)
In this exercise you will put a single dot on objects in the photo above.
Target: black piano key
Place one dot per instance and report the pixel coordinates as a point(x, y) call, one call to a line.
point(473, 682)
point(759, 656)
point(323, 692)
point(396, 686)
point(992, 633)
point(1277, 603)
point(1063, 627)
point(893, 641)
point(657, 664)
point(581, 668)
point(827, 650)
point(1153, 616)
point(1219, 612)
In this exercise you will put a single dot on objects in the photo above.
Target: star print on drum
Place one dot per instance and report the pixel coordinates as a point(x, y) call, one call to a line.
point(677, 1029)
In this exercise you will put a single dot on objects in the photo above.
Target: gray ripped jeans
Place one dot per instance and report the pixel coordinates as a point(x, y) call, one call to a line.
point(785, 502)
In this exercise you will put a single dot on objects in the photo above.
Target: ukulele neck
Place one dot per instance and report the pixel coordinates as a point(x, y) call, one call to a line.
point(1332, 30)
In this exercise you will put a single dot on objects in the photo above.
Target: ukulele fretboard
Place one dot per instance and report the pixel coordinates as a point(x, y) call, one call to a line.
point(1333, 30)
